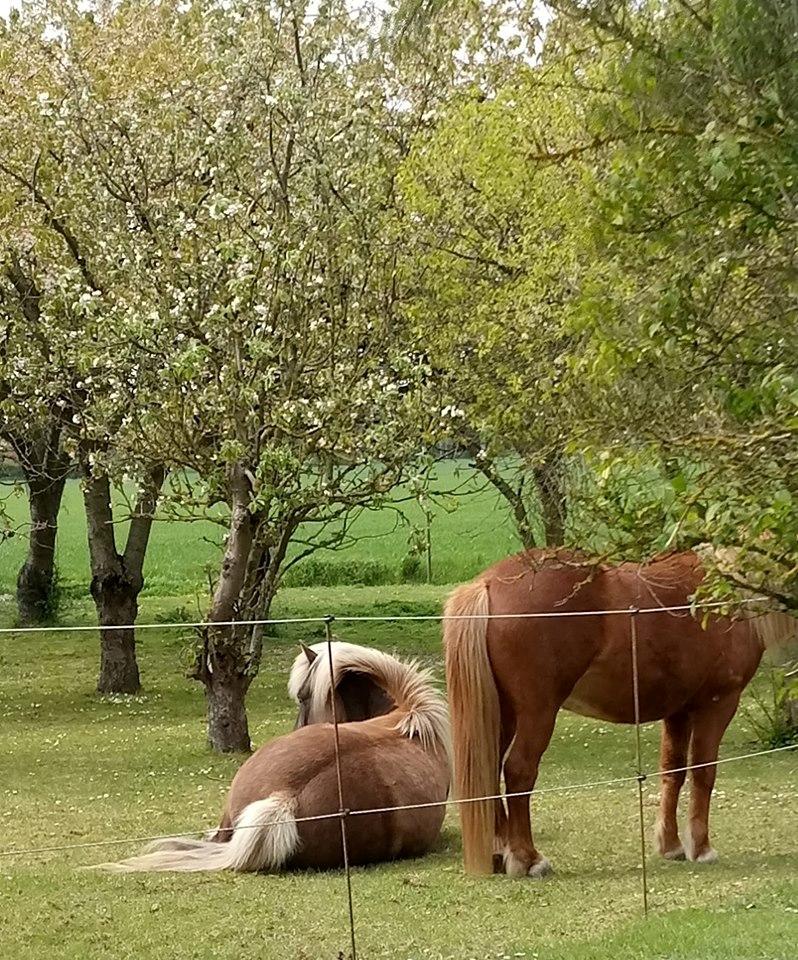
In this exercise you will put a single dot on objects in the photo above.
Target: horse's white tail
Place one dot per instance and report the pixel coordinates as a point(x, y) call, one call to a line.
point(265, 837)
point(476, 721)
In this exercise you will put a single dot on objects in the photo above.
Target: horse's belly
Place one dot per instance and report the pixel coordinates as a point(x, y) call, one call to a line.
point(586, 707)
point(604, 693)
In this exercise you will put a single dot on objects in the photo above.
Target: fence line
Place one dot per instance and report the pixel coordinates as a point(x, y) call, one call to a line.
point(386, 618)
point(372, 811)
point(639, 756)
point(342, 811)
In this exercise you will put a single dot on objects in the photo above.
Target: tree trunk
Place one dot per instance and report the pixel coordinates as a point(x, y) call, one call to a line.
point(222, 662)
point(36, 580)
point(229, 657)
point(551, 497)
point(225, 694)
point(228, 678)
point(115, 598)
point(114, 593)
point(514, 497)
point(38, 449)
point(523, 523)
point(553, 506)
point(117, 579)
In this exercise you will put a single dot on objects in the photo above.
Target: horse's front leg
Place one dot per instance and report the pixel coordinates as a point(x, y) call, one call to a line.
point(709, 724)
point(532, 736)
point(673, 756)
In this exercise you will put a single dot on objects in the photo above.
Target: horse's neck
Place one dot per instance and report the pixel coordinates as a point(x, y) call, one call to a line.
point(361, 697)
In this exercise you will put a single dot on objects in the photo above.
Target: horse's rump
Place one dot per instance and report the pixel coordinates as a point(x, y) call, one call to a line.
point(379, 768)
point(381, 774)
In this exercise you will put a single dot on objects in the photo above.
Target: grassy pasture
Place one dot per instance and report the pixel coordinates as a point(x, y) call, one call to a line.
point(76, 768)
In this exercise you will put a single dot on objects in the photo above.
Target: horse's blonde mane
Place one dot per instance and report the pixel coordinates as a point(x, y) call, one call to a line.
point(409, 685)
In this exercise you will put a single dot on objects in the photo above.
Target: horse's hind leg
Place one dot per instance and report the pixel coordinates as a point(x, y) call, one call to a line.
point(224, 831)
point(502, 826)
point(532, 736)
point(709, 724)
point(500, 842)
point(673, 755)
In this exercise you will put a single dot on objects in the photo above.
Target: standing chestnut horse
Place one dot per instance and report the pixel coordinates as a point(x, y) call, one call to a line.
point(507, 679)
point(393, 751)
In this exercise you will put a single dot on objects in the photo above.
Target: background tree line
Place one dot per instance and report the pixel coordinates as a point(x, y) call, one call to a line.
point(266, 260)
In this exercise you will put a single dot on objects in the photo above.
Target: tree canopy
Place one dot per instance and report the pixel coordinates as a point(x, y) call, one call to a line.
point(285, 255)
point(662, 141)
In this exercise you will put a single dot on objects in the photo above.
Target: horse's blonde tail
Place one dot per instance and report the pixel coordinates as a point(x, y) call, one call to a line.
point(264, 837)
point(777, 631)
point(475, 719)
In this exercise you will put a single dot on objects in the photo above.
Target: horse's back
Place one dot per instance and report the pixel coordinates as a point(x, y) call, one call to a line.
point(560, 580)
point(583, 661)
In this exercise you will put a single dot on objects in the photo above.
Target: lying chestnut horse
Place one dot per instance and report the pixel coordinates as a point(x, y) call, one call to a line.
point(393, 750)
point(508, 678)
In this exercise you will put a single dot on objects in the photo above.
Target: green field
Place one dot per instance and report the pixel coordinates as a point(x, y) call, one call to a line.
point(466, 536)
point(78, 768)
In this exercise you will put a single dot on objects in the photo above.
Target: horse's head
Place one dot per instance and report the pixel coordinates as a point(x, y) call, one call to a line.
point(357, 695)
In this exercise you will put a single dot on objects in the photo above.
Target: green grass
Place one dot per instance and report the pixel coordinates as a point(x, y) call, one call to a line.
point(466, 537)
point(76, 767)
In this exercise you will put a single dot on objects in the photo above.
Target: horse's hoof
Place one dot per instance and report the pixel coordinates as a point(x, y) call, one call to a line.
point(540, 869)
point(514, 866)
point(677, 853)
point(668, 843)
point(706, 856)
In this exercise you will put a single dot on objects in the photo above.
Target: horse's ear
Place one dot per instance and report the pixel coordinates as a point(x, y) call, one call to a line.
point(310, 654)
